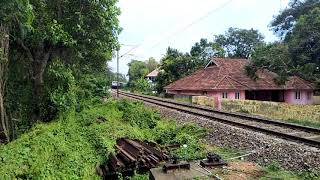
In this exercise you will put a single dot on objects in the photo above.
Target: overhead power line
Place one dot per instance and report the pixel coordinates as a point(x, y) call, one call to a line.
point(135, 47)
point(128, 44)
point(193, 23)
point(183, 29)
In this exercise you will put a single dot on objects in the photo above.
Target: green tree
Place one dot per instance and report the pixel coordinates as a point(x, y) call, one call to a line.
point(137, 70)
point(273, 56)
point(142, 85)
point(83, 34)
point(174, 65)
point(299, 53)
point(151, 64)
point(304, 45)
point(204, 50)
point(15, 19)
point(239, 43)
point(283, 23)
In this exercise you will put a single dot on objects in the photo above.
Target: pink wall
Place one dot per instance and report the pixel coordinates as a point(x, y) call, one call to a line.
point(218, 94)
point(290, 97)
point(231, 94)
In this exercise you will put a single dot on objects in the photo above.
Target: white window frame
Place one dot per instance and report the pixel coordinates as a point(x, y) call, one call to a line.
point(225, 95)
point(237, 95)
point(297, 95)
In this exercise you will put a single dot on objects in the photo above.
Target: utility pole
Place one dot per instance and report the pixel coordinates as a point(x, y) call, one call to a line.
point(117, 73)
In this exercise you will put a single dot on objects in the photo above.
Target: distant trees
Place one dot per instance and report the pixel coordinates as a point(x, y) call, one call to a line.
point(299, 52)
point(283, 23)
point(151, 64)
point(304, 45)
point(239, 43)
point(235, 43)
point(273, 56)
point(204, 50)
point(137, 70)
point(174, 65)
point(137, 73)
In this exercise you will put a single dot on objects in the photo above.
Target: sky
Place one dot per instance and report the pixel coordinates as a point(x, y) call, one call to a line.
point(151, 26)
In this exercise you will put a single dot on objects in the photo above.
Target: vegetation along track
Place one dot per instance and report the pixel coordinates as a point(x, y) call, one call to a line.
point(292, 132)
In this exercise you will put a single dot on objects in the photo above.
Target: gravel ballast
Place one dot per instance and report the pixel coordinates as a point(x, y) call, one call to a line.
point(265, 148)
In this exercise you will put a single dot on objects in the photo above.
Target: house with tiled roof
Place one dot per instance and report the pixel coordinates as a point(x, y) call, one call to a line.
point(226, 78)
point(153, 75)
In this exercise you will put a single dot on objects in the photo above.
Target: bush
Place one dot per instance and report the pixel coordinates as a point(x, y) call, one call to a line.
point(72, 146)
point(188, 136)
point(136, 114)
point(59, 91)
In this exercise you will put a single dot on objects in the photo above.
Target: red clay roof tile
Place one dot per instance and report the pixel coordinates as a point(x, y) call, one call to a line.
point(229, 74)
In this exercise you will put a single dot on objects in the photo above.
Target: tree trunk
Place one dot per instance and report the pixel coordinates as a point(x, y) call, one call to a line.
point(4, 61)
point(40, 61)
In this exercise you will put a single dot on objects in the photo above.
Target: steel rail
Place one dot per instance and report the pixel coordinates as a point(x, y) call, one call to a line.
point(173, 105)
point(237, 115)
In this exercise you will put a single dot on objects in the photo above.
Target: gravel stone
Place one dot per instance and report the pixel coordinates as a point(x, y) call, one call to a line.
point(267, 148)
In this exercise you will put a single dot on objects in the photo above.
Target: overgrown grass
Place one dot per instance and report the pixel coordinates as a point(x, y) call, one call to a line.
point(72, 146)
point(305, 123)
point(275, 171)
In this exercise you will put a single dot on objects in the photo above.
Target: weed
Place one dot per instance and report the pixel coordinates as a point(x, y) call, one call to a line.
point(71, 146)
point(275, 171)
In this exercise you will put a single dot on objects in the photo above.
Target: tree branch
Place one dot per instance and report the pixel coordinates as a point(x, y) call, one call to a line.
point(24, 47)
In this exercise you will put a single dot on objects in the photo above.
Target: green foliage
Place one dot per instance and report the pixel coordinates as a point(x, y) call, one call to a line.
point(203, 51)
point(19, 91)
point(137, 70)
point(239, 43)
point(188, 136)
point(60, 88)
point(304, 45)
point(82, 35)
point(142, 85)
point(174, 65)
point(309, 123)
point(299, 53)
point(283, 23)
point(56, 150)
point(275, 57)
point(132, 112)
point(140, 177)
point(113, 77)
point(72, 146)
point(151, 64)
point(17, 14)
point(275, 171)
point(90, 86)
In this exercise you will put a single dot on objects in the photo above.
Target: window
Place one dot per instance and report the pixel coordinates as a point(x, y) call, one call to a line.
point(297, 94)
point(237, 95)
point(225, 95)
point(204, 93)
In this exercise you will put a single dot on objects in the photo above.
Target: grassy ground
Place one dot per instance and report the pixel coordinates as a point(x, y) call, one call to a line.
point(274, 171)
point(309, 123)
point(73, 145)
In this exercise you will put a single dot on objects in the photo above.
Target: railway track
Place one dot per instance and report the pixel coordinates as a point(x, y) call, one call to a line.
point(293, 132)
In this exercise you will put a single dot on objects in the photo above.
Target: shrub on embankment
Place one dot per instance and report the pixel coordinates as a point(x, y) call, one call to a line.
point(71, 146)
